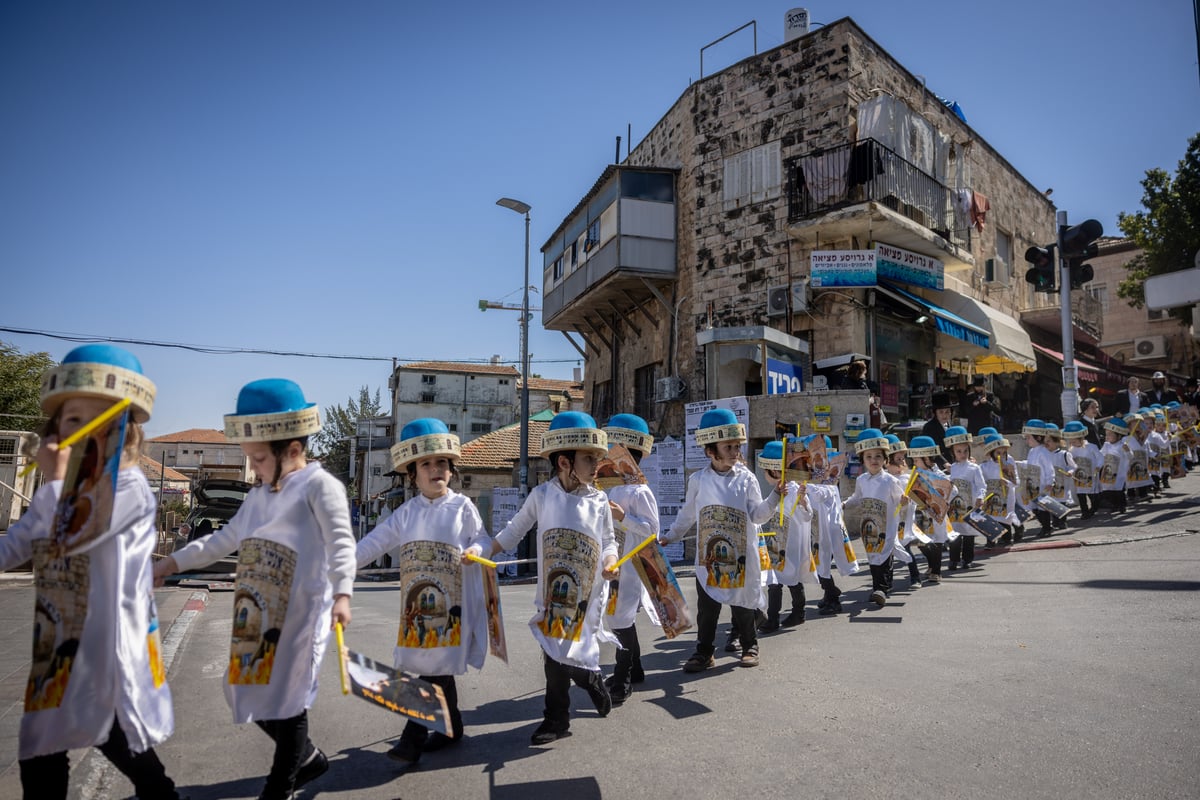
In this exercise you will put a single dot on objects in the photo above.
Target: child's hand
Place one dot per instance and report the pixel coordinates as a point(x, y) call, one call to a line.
point(609, 573)
point(618, 513)
point(163, 569)
point(341, 611)
point(474, 550)
point(51, 460)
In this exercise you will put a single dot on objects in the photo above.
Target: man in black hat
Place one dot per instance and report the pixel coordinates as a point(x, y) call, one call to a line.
point(935, 428)
point(979, 405)
point(1159, 392)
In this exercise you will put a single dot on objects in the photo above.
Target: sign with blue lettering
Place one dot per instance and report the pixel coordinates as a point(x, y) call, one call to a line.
point(903, 266)
point(842, 269)
point(784, 378)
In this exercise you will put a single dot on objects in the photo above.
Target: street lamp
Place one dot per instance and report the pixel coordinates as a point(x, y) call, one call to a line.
point(523, 208)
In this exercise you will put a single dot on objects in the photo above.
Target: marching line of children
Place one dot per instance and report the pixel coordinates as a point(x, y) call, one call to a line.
point(297, 559)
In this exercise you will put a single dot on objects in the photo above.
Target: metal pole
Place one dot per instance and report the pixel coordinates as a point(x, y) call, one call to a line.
point(1070, 393)
point(524, 467)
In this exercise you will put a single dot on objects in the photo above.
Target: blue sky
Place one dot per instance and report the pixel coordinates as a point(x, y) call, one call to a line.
point(322, 177)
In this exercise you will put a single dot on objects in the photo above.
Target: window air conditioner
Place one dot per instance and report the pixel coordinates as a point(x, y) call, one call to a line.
point(1146, 348)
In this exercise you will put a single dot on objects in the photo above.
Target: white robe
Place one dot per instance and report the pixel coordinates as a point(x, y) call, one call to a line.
point(1087, 467)
point(117, 668)
point(1062, 488)
point(1138, 475)
point(1114, 466)
point(971, 486)
point(432, 534)
point(295, 552)
point(726, 508)
point(878, 498)
point(789, 551)
point(640, 523)
point(1003, 501)
point(833, 543)
point(575, 536)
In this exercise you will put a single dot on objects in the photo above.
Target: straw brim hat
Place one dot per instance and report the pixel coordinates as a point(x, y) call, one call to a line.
point(429, 445)
point(277, 426)
point(591, 440)
point(100, 381)
point(996, 445)
point(642, 442)
point(923, 452)
point(732, 432)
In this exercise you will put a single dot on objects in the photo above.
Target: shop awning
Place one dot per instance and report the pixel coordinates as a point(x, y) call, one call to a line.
point(946, 321)
point(1087, 372)
point(1010, 350)
point(839, 361)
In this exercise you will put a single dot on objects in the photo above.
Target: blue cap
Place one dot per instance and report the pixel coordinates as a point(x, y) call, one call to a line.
point(1074, 430)
point(871, 439)
point(923, 446)
point(629, 430)
point(574, 430)
point(956, 434)
point(719, 425)
point(422, 438)
point(272, 409)
point(1034, 427)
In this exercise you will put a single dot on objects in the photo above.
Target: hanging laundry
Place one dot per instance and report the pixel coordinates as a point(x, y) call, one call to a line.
point(866, 163)
point(825, 176)
point(961, 199)
point(979, 208)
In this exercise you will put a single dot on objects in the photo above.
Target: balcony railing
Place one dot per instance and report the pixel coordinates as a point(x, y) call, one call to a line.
point(1087, 312)
point(866, 171)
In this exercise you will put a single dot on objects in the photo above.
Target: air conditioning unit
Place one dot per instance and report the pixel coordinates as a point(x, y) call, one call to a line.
point(778, 297)
point(1149, 347)
point(668, 389)
point(995, 271)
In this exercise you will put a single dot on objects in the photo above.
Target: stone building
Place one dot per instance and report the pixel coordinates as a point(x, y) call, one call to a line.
point(809, 204)
point(200, 453)
point(472, 399)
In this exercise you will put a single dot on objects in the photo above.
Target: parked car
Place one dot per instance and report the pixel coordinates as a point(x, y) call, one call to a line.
point(217, 500)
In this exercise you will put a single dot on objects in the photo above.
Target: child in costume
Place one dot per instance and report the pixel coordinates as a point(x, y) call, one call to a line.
point(1137, 481)
point(1037, 474)
point(833, 543)
point(635, 518)
point(725, 504)
point(879, 496)
point(1000, 493)
point(907, 535)
point(1062, 486)
point(295, 576)
point(970, 487)
point(1086, 457)
point(97, 677)
point(576, 553)
point(1114, 465)
point(789, 550)
point(1159, 446)
point(443, 626)
point(923, 451)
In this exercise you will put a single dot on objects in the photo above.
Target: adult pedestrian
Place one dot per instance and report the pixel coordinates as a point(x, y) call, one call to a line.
point(1089, 410)
point(1159, 391)
point(1131, 399)
point(935, 428)
point(979, 405)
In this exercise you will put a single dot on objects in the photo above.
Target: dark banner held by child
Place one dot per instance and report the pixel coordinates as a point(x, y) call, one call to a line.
point(401, 694)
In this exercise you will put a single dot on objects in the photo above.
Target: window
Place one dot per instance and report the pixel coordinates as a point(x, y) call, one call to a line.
point(185, 452)
point(1000, 265)
point(376, 470)
point(752, 176)
point(1100, 292)
point(593, 236)
point(428, 397)
point(504, 381)
point(575, 253)
point(659, 186)
point(452, 427)
point(480, 427)
point(429, 380)
point(602, 400)
point(558, 268)
point(644, 380)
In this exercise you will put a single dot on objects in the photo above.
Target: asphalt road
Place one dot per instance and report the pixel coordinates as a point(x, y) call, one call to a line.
point(1057, 673)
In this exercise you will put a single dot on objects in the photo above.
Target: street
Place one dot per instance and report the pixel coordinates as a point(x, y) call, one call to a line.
point(1066, 672)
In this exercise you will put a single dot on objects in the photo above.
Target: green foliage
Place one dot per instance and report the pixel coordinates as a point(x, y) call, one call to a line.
point(332, 444)
point(20, 387)
point(1168, 230)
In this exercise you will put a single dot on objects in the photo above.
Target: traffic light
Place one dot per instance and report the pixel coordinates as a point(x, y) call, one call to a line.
point(1041, 274)
point(1079, 244)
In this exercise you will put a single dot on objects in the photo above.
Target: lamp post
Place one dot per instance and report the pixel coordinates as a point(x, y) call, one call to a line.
point(523, 208)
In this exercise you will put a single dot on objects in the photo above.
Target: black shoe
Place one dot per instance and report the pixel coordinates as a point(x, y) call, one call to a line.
point(637, 675)
point(768, 627)
point(599, 693)
point(619, 693)
point(317, 766)
point(834, 607)
point(548, 732)
point(437, 741)
point(792, 619)
point(405, 751)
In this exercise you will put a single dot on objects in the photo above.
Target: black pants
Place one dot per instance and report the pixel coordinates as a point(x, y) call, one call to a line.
point(1087, 505)
point(933, 556)
point(962, 549)
point(292, 748)
point(707, 612)
point(46, 777)
point(629, 656)
point(775, 600)
point(1116, 500)
point(416, 733)
point(914, 574)
point(558, 690)
point(831, 590)
point(881, 576)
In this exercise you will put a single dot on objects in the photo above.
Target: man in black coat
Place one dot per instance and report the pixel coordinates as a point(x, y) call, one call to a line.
point(1159, 392)
point(1131, 399)
point(979, 405)
point(1089, 409)
point(935, 428)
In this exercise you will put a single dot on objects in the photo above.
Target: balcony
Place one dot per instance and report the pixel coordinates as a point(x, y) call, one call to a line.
point(1044, 312)
point(613, 256)
point(866, 190)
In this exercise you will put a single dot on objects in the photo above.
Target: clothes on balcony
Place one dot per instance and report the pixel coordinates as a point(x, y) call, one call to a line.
point(866, 162)
point(825, 177)
point(980, 205)
point(961, 199)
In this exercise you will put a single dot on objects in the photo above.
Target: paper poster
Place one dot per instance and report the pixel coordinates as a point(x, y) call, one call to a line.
point(995, 501)
point(570, 560)
point(722, 543)
point(930, 492)
point(659, 580)
point(431, 592)
point(61, 587)
point(664, 473)
point(497, 646)
point(84, 511)
point(260, 603)
point(401, 694)
point(961, 503)
point(617, 469)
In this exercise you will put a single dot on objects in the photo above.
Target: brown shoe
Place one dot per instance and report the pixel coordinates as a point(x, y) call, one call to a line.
point(750, 656)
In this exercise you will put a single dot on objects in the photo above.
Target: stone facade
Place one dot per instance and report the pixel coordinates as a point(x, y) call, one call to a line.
point(803, 96)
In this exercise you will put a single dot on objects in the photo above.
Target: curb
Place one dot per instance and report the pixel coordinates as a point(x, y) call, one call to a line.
point(174, 635)
point(1059, 544)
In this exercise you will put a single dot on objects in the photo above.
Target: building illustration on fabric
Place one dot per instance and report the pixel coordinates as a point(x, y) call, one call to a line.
point(1084, 472)
point(570, 560)
point(873, 527)
point(960, 503)
point(1058, 489)
point(1031, 483)
point(60, 609)
point(777, 544)
point(431, 588)
point(260, 602)
point(722, 540)
point(1108, 473)
point(1139, 470)
point(995, 499)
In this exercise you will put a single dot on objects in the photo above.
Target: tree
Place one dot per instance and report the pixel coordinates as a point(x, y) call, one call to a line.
point(21, 387)
point(1168, 231)
point(332, 443)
